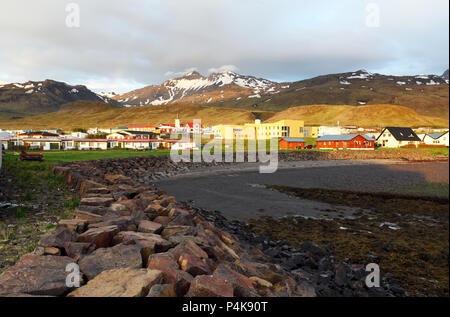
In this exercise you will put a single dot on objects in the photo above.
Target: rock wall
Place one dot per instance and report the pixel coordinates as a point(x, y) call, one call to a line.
point(131, 239)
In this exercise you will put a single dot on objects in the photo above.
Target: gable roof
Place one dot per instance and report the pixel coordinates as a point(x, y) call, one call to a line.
point(343, 137)
point(402, 134)
point(436, 135)
point(293, 139)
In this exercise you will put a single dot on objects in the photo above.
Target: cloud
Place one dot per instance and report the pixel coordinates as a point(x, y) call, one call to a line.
point(134, 43)
point(179, 74)
point(224, 68)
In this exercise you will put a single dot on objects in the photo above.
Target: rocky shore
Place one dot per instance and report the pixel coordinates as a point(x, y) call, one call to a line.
point(131, 239)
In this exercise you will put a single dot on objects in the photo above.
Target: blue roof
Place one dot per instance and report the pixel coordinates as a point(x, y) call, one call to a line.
point(436, 135)
point(294, 139)
point(343, 137)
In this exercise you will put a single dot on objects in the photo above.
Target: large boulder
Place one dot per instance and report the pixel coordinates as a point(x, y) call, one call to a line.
point(97, 201)
point(76, 250)
point(36, 275)
point(210, 286)
point(124, 282)
point(119, 256)
point(58, 238)
point(160, 244)
point(149, 226)
point(102, 237)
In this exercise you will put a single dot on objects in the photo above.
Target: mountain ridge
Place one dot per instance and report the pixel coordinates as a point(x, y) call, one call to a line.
point(427, 94)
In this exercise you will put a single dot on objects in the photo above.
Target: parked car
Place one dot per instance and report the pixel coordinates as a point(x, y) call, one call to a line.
point(309, 147)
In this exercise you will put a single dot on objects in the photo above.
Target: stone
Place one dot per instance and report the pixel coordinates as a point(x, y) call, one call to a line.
point(177, 230)
point(178, 211)
point(123, 282)
point(120, 208)
point(149, 226)
point(341, 275)
point(242, 285)
point(305, 289)
point(77, 225)
point(36, 275)
point(156, 210)
point(165, 263)
point(260, 283)
point(314, 249)
point(210, 286)
point(52, 251)
point(193, 265)
point(188, 247)
point(162, 290)
point(123, 223)
point(164, 220)
point(57, 238)
point(119, 256)
point(87, 216)
point(118, 178)
point(97, 201)
point(160, 244)
point(102, 237)
point(77, 249)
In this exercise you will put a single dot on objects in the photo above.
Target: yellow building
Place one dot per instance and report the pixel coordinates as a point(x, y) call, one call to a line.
point(279, 129)
point(311, 132)
point(233, 131)
point(258, 130)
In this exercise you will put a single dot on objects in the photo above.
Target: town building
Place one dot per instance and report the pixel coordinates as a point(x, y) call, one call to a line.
point(131, 135)
point(37, 135)
point(345, 142)
point(396, 137)
point(329, 130)
point(311, 132)
point(292, 144)
point(437, 139)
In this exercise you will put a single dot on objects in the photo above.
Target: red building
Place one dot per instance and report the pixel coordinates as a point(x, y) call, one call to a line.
point(292, 144)
point(346, 141)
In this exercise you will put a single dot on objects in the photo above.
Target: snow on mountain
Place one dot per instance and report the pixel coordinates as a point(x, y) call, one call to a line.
point(192, 84)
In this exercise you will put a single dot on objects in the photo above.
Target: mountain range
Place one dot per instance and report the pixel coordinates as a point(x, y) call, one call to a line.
point(425, 94)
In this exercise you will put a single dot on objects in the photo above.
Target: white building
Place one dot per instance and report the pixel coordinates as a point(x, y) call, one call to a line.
point(396, 137)
point(436, 139)
point(329, 130)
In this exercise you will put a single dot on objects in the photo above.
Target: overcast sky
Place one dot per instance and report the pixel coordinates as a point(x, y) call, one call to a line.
point(121, 45)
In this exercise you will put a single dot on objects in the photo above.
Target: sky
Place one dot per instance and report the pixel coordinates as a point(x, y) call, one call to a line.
point(121, 45)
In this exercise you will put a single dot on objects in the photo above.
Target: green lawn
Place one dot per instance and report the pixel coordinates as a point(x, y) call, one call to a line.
point(70, 156)
point(434, 151)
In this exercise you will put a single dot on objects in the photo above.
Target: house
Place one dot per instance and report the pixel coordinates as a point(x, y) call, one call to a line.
point(131, 135)
point(40, 144)
point(346, 142)
point(145, 128)
point(311, 132)
point(396, 137)
point(329, 130)
point(438, 139)
point(149, 144)
point(292, 144)
point(279, 129)
point(37, 135)
point(91, 144)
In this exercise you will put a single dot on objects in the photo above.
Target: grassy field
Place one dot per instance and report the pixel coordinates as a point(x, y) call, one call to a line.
point(374, 115)
point(90, 114)
point(71, 156)
point(37, 198)
point(434, 151)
